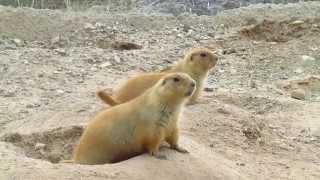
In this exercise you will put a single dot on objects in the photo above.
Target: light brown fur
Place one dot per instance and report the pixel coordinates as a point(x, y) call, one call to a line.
point(139, 125)
point(196, 63)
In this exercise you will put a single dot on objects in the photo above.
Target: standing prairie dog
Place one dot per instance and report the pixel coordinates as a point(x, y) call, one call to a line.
point(197, 64)
point(139, 125)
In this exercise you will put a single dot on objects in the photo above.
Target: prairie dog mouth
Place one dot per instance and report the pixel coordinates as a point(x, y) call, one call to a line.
point(191, 89)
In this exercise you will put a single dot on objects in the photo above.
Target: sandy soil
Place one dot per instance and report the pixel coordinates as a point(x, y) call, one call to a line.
point(259, 117)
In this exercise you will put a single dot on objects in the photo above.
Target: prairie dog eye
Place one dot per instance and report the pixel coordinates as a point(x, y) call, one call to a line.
point(176, 79)
point(203, 55)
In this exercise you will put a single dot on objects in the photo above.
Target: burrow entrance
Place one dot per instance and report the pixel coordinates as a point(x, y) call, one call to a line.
point(52, 145)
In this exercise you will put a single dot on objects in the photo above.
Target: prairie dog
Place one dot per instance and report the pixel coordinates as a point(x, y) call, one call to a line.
point(139, 125)
point(197, 64)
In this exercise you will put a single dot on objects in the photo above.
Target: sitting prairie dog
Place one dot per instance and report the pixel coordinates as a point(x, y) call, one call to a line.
point(197, 64)
point(136, 126)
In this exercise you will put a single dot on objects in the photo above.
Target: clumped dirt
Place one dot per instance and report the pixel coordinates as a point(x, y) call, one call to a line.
point(52, 145)
point(257, 119)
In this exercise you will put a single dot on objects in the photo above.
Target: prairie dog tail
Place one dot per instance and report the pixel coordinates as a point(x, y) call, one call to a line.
point(106, 98)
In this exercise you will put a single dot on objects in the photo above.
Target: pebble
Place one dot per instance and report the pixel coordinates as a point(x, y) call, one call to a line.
point(117, 59)
point(89, 26)
point(298, 22)
point(208, 89)
point(32, 105)
point(39, 146)
point(106, 64)
point(229, 51)
point(298, 94)
point(241, 164)
point(55, 40)
point(224, 110)
point(60, 51)
point(60, 91)
point(180, 35)
point(18, 42)
point(307, 58)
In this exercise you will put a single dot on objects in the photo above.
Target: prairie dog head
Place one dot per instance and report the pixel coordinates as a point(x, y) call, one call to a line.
point(175, 86)
point(200, 60)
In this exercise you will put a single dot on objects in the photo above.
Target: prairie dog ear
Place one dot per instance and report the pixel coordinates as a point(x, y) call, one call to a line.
point(191, 56)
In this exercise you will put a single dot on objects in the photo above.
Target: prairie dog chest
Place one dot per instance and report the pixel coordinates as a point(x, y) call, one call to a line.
point(162, 117)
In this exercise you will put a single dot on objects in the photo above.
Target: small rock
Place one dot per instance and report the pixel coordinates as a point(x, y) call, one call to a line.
point(117, 59)
point(30, 105)
point(99, 25)
point(229, 51)
point(121, 45)
point(298, 94)
point(224, 110)
point(180, 35)
point(298, 22)
point(89, 26)
point(106, 64)
point(18, 42)
point(61, 51)
point(60, 91)
point(208, 89)
point(241, 164)
point(308, 58)
point(93, 69)
point(314, 48)
point(39, 146)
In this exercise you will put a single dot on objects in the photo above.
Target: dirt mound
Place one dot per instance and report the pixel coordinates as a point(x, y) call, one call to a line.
point(281, 31)
point(52, 145)
point(255, 103)
point(57, 144)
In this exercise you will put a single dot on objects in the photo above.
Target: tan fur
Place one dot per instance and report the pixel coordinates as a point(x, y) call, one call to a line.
point(193, 64)
point(139, 125)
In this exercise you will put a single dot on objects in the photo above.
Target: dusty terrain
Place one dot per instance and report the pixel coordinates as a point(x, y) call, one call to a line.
point(259, 117)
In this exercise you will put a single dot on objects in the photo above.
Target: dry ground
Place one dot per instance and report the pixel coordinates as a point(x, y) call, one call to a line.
point(248, 124)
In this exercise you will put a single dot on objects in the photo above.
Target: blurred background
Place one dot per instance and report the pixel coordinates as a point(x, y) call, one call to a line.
point(176, 7)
